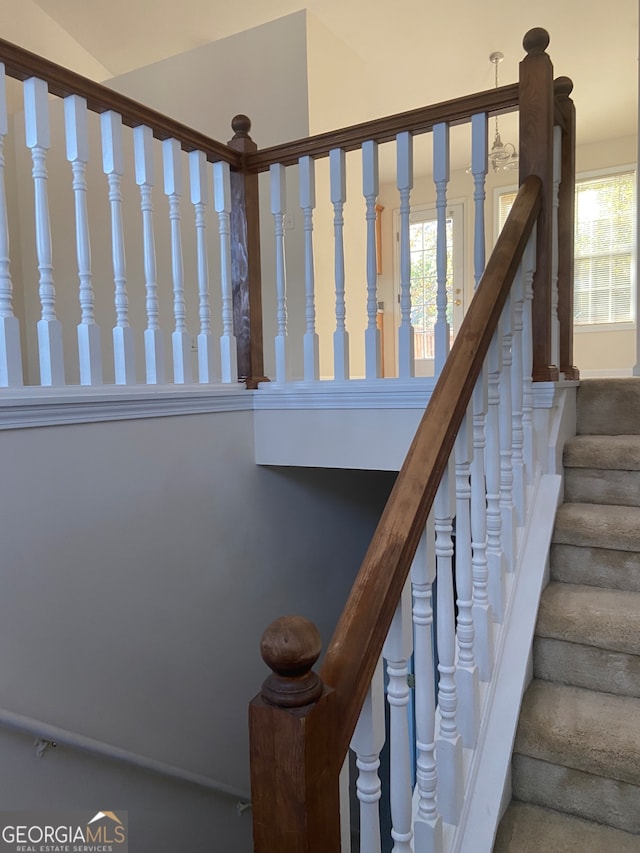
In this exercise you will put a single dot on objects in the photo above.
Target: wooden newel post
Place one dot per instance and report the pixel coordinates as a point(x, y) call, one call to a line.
point(245, 261)
point(536, 158)
point(292, 730)
point(566, 215)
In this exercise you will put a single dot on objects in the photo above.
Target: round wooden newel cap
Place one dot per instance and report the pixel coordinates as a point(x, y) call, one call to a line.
point(241, 125)
point(536, 40)
point(291, 645)
point(563, 86)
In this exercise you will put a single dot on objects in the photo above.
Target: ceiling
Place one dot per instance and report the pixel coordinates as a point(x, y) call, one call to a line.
point(414, 52)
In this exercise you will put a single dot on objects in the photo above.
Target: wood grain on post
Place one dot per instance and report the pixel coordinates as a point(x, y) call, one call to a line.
point(563, 87)
point(245, 260)
point(536, 158)
point(292, 730)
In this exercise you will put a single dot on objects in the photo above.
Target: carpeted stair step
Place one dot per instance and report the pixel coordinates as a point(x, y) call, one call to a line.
point(526, 828)
point(603, 567)
point(597, 545)
point(589, 637)
point(603, 469)
point(586, 747)
point(608, 406)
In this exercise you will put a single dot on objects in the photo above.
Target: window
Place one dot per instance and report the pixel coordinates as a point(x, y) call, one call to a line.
point(423, 231)
point(604, 266)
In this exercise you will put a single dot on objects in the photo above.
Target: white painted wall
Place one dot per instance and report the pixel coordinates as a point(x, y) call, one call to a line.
point(141, 562)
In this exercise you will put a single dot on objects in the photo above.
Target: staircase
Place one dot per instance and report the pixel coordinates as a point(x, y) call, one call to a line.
point(576, 761)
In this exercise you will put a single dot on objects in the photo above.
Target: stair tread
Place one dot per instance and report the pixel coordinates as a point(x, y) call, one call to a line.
point(526, 828)
point(592, 616)
point(609, 406)
point(583, 729)
point(598, 525)
point(610, 452)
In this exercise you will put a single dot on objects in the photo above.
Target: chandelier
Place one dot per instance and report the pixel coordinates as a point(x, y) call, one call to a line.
point(503, 155)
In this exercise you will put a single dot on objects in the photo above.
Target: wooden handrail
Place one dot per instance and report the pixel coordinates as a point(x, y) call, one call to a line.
point(417, 121)
point(22, 64)
point(357, 642)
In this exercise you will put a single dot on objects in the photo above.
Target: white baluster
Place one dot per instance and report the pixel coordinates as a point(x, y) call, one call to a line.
point(180, 339)
point(449, 742)
point(222, 198)
point(495, 556)
point(153, 343)
point(307, 177)
point(507, 511)
point(370, 190)
point(441, 179)
point(113, 167)
point(482, 615)
point(367, 742)
point(278, 209)
point(77, 139)
point(396, 652)
point(199, 198)
point(517, 458)
point(428, 823)
point(36, 120)
point(338, 181)
point(479, 171)
point(555, 322)
point(467, 671)
point(528, 443)
point(10, 352)
point(404, 168)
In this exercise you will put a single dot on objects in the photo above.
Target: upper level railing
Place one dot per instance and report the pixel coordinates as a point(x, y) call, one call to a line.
point(473, 458)
point(137, 257)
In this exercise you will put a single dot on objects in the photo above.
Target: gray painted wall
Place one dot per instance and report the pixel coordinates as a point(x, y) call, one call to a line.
point(141, 561)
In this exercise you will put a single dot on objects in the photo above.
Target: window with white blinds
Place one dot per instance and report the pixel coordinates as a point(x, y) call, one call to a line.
point(604, 266)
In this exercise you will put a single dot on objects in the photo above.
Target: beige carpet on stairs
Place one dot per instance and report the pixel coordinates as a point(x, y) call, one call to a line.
point(576, 762)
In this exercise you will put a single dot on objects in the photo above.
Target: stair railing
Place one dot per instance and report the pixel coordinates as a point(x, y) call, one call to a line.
point(473, 458)
point(146, 295)
point(129, 135)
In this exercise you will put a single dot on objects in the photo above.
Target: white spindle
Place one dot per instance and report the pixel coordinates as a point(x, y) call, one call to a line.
point(180, 339)
point(517, 458)
point(507, 511)
point(338, 180)
point(441, 179)
point(428, 823)
point(404, 168)
point(495, 556)
point(10, 352)
point(370, 189)
point(467, 671)
point(113, 167)
point(528, 444)
point(396, 652)
point(36, 120)
point(367, 742)
point(77, 139)
point(222, 198)
point(555, 322)
point(199, 197)
point(449, 742)
point(482, 615)
point(307, 178)
point(479, 171)
point(278, 209)
point(153, 343)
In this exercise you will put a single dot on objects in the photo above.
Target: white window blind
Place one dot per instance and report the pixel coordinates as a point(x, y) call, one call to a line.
point(604, 265)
